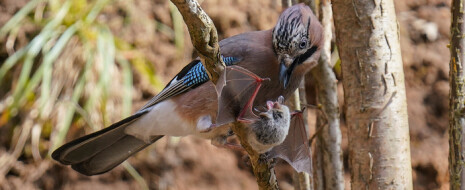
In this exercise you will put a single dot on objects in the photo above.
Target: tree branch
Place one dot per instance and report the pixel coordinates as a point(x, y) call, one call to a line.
point(203, 36)
point(457, 97)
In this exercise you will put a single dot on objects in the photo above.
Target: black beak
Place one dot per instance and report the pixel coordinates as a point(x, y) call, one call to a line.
point(284, 75)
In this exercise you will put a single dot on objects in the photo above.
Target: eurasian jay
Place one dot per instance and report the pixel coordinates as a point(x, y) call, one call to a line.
point(188, 104)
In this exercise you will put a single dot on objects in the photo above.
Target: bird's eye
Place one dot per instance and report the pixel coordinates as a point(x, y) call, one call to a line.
point(303, 45)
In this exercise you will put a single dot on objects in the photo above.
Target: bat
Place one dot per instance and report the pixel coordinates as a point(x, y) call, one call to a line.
point(235, 98)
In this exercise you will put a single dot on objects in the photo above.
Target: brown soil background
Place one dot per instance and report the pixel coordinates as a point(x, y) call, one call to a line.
point(194, 163)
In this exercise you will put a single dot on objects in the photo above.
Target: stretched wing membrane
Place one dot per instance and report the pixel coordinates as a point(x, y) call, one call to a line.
point(295, 149)
point(237, 94)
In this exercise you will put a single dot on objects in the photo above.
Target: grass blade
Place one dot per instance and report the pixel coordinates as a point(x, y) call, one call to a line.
point(18, 17)
point(50, 58)
point(136, 175)
point(127, 79)
point(63, 127)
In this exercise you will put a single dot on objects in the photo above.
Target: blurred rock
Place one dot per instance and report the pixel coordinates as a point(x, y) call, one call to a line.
point(427, 30)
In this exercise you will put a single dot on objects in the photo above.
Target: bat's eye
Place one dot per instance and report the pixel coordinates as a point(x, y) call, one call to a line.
point(277, 115)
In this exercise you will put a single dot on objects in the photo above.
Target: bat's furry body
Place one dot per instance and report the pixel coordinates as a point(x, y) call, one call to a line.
point(271, 129)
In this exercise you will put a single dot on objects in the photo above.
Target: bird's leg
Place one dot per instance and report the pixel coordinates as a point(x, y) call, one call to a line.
point(205, 124)
point(222, 142)
point(232, 146)
point(208, 129)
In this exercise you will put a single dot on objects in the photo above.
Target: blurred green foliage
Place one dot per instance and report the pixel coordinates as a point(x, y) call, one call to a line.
point(68, 74)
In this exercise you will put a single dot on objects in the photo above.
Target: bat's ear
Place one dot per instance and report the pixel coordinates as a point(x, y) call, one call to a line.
point(269, 105)
point(281, 99)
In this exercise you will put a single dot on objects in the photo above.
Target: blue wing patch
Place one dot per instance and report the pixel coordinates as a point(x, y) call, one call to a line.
point(197, 75)
point(191, 76)
point(230, 60)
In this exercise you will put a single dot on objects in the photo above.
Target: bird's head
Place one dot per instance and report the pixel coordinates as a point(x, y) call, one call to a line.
point(297, 38)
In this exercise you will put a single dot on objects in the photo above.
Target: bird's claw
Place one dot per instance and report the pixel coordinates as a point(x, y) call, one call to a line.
point(232, 146)
point(244, 120)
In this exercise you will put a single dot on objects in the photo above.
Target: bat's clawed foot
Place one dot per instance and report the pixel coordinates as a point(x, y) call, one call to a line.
point(264, 158)
point(230, 133)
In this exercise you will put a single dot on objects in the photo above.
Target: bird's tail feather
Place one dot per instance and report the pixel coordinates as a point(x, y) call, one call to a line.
point(103, 150)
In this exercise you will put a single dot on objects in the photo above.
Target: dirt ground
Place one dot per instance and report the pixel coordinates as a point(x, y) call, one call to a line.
point(191, 163)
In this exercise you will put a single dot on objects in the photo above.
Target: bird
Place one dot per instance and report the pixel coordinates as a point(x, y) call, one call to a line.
point(188, 104)
point(270, 128)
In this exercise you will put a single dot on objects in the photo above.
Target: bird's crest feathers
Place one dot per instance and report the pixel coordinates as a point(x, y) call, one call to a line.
point(297, 31)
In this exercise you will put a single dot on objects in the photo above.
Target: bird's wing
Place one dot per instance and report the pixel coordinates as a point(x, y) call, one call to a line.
point(190, 77)
point(250, 46)
point(295, 149)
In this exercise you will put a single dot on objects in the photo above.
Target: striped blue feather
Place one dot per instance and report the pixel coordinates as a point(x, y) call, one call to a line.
point(198, 75)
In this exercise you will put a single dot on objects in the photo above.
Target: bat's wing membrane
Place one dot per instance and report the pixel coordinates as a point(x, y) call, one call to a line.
point(295, 149)
point(236, 94)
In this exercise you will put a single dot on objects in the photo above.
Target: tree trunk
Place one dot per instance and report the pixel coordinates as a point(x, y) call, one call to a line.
point(374, 92)
point(457, 98)
point(329, 170)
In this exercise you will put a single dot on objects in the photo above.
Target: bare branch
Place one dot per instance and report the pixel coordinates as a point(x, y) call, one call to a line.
point(457, 97)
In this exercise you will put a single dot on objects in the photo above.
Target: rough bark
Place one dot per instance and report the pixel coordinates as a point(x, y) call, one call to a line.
point(330, 168)
point(457, 98)
point(374, 92)
point(204, 37)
